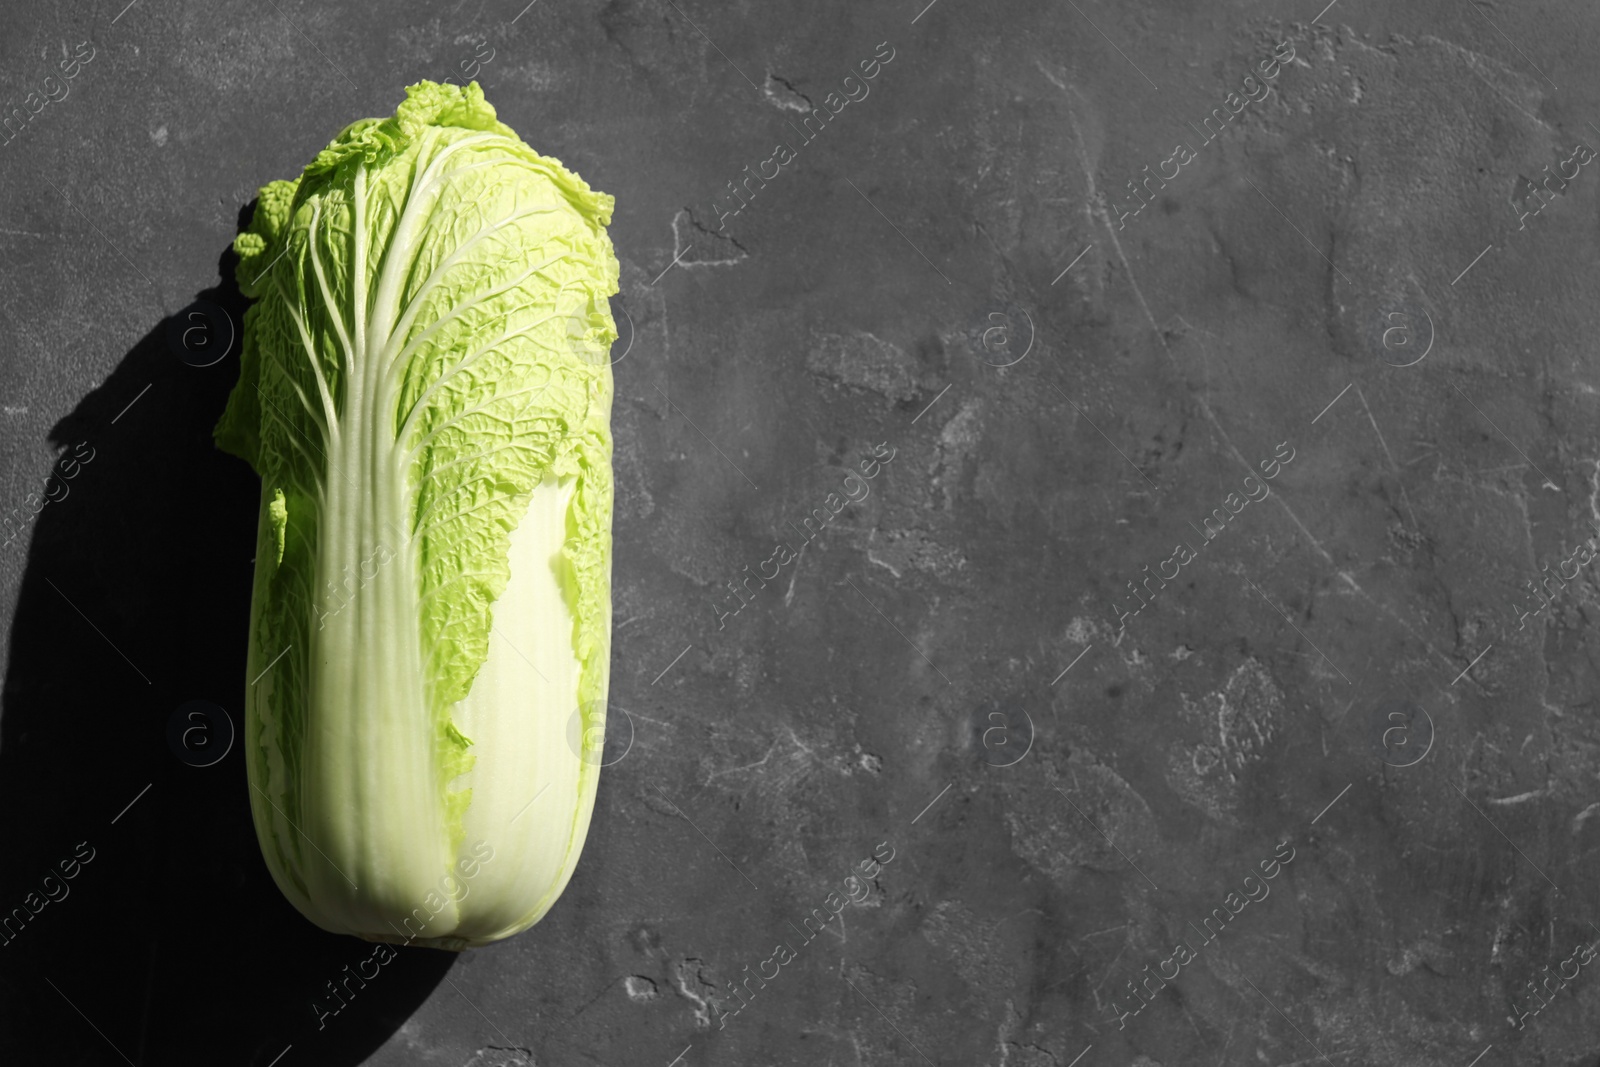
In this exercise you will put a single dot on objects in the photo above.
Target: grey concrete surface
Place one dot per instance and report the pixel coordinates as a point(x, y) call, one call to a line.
point(1356, 691)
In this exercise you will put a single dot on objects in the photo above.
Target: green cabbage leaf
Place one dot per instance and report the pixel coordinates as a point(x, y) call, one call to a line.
point(425, 393)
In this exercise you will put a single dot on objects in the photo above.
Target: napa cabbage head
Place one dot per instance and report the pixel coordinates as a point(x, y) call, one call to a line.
point(425, 392)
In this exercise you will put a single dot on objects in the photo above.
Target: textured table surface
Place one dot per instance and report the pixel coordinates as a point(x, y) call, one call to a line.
point(1069, 657)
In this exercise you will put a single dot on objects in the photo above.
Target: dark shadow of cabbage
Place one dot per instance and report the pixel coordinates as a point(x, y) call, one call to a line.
point(172, 940)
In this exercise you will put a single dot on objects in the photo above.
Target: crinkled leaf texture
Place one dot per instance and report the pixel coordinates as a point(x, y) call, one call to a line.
point(426, 395)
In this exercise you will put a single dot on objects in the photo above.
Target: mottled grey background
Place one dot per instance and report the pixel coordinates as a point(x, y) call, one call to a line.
point(941, 271)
